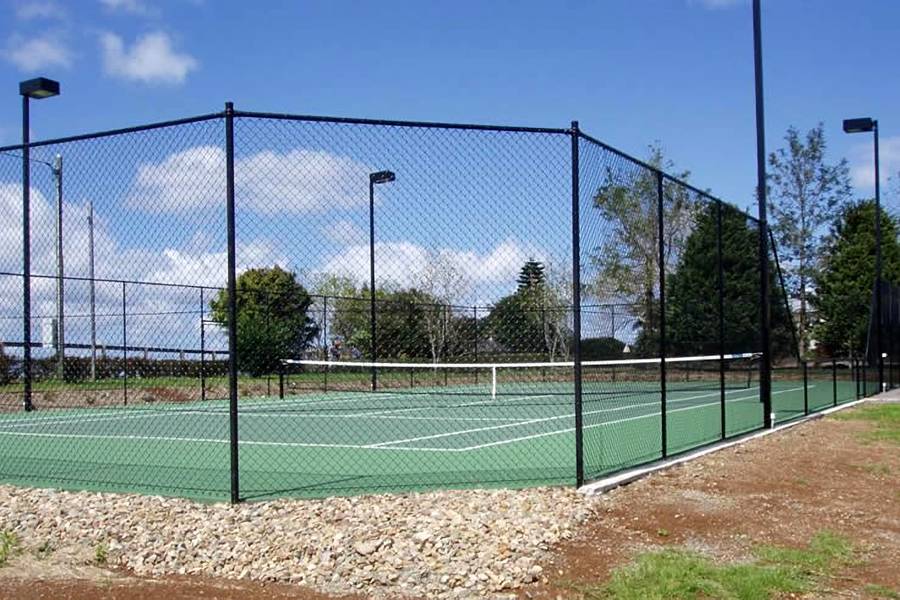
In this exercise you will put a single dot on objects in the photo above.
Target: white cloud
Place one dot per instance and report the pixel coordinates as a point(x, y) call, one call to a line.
point(344, 232)
point(40, 9)
point(151, 59)
point(267, 182)
point(403, 264)
point(37, 53)
point(862, 170)
point(135, 7)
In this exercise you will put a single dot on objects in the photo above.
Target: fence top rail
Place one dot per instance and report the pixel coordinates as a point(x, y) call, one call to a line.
point(112, 132)
point(650, 167)
point(400, 123)
point(192, 286)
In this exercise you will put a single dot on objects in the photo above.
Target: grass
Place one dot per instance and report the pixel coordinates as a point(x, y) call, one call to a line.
point(101, 554)
point(880, 591)
point(682, 575)
point(9, 544)
point(884, 417)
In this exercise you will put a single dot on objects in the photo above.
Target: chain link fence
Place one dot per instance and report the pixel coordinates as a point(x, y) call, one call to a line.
point(244, 305)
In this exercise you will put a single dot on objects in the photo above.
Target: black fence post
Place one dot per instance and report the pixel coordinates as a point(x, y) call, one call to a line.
point(232, 303)
point(834, 381)
point(325, 338)
point(202, 349)
point(26, 258)
point(475, 340)
point(124, 348)
point(805, 389)
point(720, 269)
point(576, 303)
point(660, 231)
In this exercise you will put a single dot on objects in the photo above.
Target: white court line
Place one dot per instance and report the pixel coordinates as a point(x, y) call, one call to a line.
point(390, 445)
point(543, 420)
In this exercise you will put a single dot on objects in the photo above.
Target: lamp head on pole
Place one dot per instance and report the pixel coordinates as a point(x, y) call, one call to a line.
point(382, 177)
point(861, 125)
point(39, 88)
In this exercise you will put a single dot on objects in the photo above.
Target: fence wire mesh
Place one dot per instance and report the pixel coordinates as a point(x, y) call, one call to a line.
point(406, 312)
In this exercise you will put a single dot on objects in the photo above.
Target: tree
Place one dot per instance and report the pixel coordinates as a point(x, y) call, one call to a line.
point(845, 281)
point(692, 290)
point(444, 281)
point(272, 319)
point(627, 259)
point(334, 291)
point(531, 275)
point(805, 192)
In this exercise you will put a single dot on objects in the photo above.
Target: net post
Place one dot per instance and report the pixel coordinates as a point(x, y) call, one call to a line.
point(232, 305)
point(281, 382)
point(660, 230)
point(325, 337)
point(575, 135)
point(475, 336)
point(493, 383)
point(720, 276)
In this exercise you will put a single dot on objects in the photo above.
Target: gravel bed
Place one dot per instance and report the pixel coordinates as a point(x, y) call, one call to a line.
point(443, 544)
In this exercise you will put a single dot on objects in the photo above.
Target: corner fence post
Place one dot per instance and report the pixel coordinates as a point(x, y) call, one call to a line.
point(202, 349)
point(720, 277)
point(660, 230)
point(232, 304)
point(576, 304)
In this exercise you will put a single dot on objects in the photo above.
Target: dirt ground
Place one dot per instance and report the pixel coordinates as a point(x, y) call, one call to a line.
point(780, 490)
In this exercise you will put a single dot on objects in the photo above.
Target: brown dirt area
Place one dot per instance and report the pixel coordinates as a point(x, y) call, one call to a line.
point(781, 490)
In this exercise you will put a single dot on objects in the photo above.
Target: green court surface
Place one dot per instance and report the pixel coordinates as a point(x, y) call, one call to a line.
point(346, 442)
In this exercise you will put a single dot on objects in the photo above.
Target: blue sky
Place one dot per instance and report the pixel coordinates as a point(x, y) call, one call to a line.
point(676, 71)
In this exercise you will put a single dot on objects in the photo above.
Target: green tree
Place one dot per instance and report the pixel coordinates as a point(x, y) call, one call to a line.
point(845, 282)
point(806, 190)
point(531, 275)
point(272, 319)
point(627, 259)
point(692, 290)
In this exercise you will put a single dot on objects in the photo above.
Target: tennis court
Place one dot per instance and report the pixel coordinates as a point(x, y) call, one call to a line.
point(454, 428)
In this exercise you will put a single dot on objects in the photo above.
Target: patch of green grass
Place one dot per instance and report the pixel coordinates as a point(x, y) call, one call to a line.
point(885, 417)
point(880, 591)
point(101, 554)
point(682, 575)
point(44, 550)
point(876, 469)
point(9, 544)
point(662, 532)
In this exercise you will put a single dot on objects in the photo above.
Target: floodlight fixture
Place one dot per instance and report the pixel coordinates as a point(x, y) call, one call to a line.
point(382, 177)
point(39, 88)
point(862, 125)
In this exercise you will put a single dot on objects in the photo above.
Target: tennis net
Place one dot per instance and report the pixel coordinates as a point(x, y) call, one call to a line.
point(619, 377)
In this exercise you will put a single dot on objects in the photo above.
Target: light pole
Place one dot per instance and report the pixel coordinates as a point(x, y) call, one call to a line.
point(374, 179)
point(765, 366)
point(38, 89)
point(865, 125)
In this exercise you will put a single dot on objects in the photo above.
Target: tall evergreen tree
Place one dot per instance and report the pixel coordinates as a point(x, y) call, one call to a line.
point(845, 282)
point(806, 190)
point(531, 276)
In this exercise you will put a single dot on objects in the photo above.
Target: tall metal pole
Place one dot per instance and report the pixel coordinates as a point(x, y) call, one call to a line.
point(60, 292)
point(765, 373)
point(26, 257)
point(576, 303)
point(720, 285)
point(660, 232)
point(92, 291)
point(232, 303)
point(372, 279)
point(878, 299)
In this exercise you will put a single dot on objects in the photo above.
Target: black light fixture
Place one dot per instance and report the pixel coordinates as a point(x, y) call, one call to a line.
point(862, 125)
point(39, 88)
point(382, 177)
